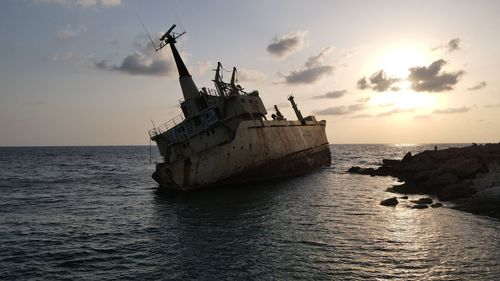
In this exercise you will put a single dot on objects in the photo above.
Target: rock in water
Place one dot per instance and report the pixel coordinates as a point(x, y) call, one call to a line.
point(361, 171)
point(420, 206)
point(407, 157)
point(354, 170)
point(389, 202)
point(391, 162)
point(450, 174)
point(437, 205)
point(422, 201)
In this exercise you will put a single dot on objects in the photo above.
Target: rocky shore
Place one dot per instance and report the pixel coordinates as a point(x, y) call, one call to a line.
point(450, 174)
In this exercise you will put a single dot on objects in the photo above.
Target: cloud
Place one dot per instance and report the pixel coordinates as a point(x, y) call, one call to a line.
point(431, 79)
point(492, 105)
point(450, 46)
point(318, 59)
point(144, 61)
point(364, 100)
point(312, 71)
point(453, 44)
point(363, 83)
point(308, 75)
point(69, 31)
point(341, 110)
point(452, 110)
point(138, 64)
point(287, 44)
point(362, 115)
point(479, 86)
point(81, 3)
point(201, 67)
point(379, 82)
point(250, 75)
point(332, 95)
point(395, 111)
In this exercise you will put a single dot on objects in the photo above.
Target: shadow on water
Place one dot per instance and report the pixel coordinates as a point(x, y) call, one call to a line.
point(228, 229)
point(225, 192)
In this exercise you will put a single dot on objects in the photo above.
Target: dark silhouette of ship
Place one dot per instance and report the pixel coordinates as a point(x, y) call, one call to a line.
point(223, 136)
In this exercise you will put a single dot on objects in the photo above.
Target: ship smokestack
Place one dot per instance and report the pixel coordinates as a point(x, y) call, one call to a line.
point(297, 111)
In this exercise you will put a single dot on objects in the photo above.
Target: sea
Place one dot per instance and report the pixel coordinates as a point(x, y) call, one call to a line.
point(95, 213)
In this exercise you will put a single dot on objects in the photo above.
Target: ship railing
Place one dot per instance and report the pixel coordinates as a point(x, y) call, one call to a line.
point(166, 126)
point(209, 92)
point(212, 92)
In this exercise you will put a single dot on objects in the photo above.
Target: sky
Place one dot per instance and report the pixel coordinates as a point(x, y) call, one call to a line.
point(82, 72)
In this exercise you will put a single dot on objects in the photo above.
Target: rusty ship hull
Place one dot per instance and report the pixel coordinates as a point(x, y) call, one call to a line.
point(260, 150)
point(223, 135)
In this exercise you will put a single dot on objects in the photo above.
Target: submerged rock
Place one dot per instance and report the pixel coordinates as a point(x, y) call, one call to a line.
point(437, 205)
point(354, 170)
point(422, 201)
point(361, 171)
point(406, 188)
point(420, 206)
point(389, 202)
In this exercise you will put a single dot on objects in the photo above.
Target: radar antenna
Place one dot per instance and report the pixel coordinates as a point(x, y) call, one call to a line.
point(169, 37)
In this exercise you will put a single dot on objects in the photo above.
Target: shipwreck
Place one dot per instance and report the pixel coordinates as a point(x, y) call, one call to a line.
point(223, 135)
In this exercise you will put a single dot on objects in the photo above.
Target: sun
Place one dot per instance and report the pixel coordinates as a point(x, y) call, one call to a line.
point(396, 60)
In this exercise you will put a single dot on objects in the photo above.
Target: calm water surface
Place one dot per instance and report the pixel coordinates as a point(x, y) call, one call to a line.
point(93, 213)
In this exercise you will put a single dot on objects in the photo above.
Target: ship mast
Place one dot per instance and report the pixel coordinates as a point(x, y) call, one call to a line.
point(189, 89)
